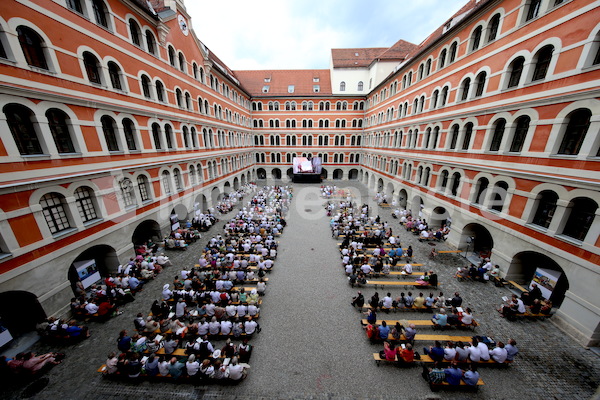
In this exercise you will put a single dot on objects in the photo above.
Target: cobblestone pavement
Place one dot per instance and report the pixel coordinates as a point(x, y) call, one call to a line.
point(311, 345)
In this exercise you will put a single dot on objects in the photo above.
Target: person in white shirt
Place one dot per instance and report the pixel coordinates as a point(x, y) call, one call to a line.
point(474, 351)
point(250, 326)
point(253, 310)
point(449, 352)
point(485, 352)
point(499, 354)
point(407, 269)
point(236, 371)
point(192, 366)
point(91, 308)
point(387, 301)
point(226, 326)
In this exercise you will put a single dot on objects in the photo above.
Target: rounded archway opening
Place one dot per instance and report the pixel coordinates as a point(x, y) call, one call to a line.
point(338, 174)
point(402, 198)
point(180, 212)
point(146, 231)
point(439, 218)
point(261, 174)
point(91, 265)
point(476, 240)
point(324, 173)
point(353, 174)
point(416, 208)
point(236, 183)
point(276, 173)
point(20, 311)
point(380, 185)
point(290, 173)
point(530, 267)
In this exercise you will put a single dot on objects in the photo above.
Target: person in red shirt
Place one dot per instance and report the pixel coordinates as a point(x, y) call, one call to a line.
point(406, 354)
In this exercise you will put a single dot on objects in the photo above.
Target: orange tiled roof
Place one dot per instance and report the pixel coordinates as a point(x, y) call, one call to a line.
point(355, 58)
point(279, 81)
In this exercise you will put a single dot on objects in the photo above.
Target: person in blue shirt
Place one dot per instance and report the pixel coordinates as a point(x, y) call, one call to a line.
point(471, 376)
point(384, 331)
point(436, 352)
point(440, 320)
point(454, 374)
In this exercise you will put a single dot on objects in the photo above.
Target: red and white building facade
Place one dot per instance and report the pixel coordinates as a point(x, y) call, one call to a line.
point(115, 116)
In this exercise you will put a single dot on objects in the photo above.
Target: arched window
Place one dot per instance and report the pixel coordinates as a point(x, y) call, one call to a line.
point(577, 127)
point(581, 217)
point(480, 83)
point(169, 136)
point(467, 138)
point(134, 31)
point(194, 136)
point(500, 191)
point(444, 96)
point(160, 91)
point(453, 50)
point(75, 5)
point(143, 187)
point(476, 38)
point(455, 183)
point(546, 206)
point(100, 13)
point(84, 198)
point(342, 86)
point(156, 134)
point(433, 102)
point(109, 128)
point(533, 9)
point(195, 70)
point(179, 99)
point(465, 89)
point(542, 63)
point(127, 192)
point(33, 47)
point(19, 119)
point(146, 87)
point(181, 62)
point(499, 127)
point(188, 101)
point(177, 179)
point(54, 209)
point(520, 134)
point(481, 188)
point(114, 72)
point(186, 139)
point(360, 86)
point(493, 26)
point(454, 137)
point(434, 139)
point(166, 181)
point(129, 131)
point(515, 70)
point(92, 67)
point(171, 52)
point(442, 59)
point(59, 127)
point(444, 179)
point(150, 42)
point(428, 67)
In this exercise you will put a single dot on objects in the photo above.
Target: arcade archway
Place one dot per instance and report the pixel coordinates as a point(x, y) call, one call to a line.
point(276, 173)
point(439, 217)
point(20, 311)
point(146, 231)
point(477, 239)
point(417, 207)
point(353, 174)
point(338, 174)
point(402, 198)
point(261, 174)
point(91, 265)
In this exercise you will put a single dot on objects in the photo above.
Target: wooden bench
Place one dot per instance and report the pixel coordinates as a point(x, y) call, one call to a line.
point(463, 386)
point(368, 306)
point(428, 360)
point(419, 337)
point(390, 322)
point(449, 251)
point(515, 285)
point(379, 360)
point(384, 284)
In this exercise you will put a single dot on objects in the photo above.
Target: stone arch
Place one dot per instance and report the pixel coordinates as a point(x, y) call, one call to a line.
point(92, 264)
point(148, 230)
point(226, 188)
point(215, 196)
point(261, 174)
point(379, 187)
point(439, 217)
point(353, 174)
point(243, 179)
point(477, 239)
point(402, 198)
point(201, 203)
point(324, 173)
point(276, 173)
point(417, 205)
point(20, 311)
point(236, 183)
point(181, 211)
point(290, 173)
point(389, 190)
point(524, 269)
point(338, 174)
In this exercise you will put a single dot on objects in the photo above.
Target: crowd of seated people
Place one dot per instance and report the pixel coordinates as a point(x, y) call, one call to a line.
point(62, 331)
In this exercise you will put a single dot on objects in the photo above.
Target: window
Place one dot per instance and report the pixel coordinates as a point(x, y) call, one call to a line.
point(75, 5)
point(533, 10)
point(57, 122)
point(476, 38)
point(146, 86)
point(33, 47)
point(360, 86)
point(110, 133)
point(434, 140)
point(156, 136)
point(179, 99)
point(265, 89)
point(92, 67)
point(171, 52)
point(482, 185)
point(134, 31)
point(129, 131)
point(54, 211)
point(453, 50)
point(342, 86)
point(500, 191)
point(19, 119)
point(499, 127)
point(515, 70)
point(546, 206)
point(166, 181)
point(100, 13)
point(454, 137)
point(177, 179)
point(434, 100)
point(583, 211)
point(428, 67)
point(143, 187)
point(544, 56)
point(467, 139)
point(465, 89)
point(188, 101)
point(160, 91)
point(480, 83)
point(577, 127)
point(84, 198)
point(150, 42)
point(493, 26)
point(442, 59)
point(520, 134)
point(169, 136)
point(443, 97)
point(291, 88)
point(455, 184)
point(444, 180)
point(182, 62)
point(127, 192)
point(114, 72)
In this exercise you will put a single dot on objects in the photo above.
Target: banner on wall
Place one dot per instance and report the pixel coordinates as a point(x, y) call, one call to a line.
point(546, 280)
point(87, 272)
point(174, 222)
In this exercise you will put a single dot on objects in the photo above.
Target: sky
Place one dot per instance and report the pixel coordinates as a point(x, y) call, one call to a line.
point(299, 34)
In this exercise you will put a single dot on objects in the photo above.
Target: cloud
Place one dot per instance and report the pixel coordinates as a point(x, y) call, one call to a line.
point(299, 34)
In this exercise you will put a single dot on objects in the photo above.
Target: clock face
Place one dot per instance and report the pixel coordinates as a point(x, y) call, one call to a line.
point(183, 25)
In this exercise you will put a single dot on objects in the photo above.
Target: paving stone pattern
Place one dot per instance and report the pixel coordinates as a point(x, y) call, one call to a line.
point(312, 345)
